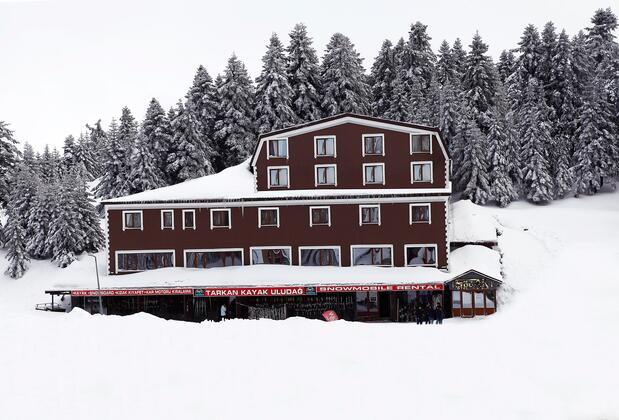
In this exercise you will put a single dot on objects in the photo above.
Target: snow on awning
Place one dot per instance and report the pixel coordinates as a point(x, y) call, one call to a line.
point(471, 224)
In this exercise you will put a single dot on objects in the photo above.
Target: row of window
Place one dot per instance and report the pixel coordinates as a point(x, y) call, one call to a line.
point(326, 175)
point(371, 145)
point(418, 255)
point(369, 214)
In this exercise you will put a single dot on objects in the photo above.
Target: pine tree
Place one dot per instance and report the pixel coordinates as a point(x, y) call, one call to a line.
point(157, 134)
point(8, 157)
point(382, 77)
point(343, 78)
point(479, 82)
point(420, 58)
point(29, 158)
point(526, 67)
point(506, 65)
point(446, 70)
point(472, 172)
point(534, 132)
point(145, 174)
point(188, 159)
point(458, 55)
point(548, 50)
point(127, 128)
point(449, 113)
point(15, 237)
point(64, 233)
point(303, 75)
point(69, 152)
point(95, 150)
point(43, 208)
point(235, 130)
point(90, 235)
point(202, 103)
point(86, 158)
point(399, 108)
point(273, 92)
point(23, 191)
point(115, 181)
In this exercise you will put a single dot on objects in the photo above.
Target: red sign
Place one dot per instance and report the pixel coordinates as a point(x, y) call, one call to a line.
point(330, 315)
point(381, 288)
point(133, 292)
point(249, 291)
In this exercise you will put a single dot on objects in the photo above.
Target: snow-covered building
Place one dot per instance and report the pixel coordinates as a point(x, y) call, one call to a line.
point(347, 213)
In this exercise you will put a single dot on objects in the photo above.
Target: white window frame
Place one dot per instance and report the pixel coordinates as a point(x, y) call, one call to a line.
point(422, 162)
point(329, 136)
point(336, 247)
point(319, 207)
point(287, 168)
point(260, 218)
point(278, 157)
point(352, 247)
point(141, 251)
point(363, 137)
point(229, 218)
point(329, 165)
point(410, 213)
point(141, 220)
point(375, 164)
point(435, 246)
point(195, 222)
point(420, 134)
point(251, 251)
point(185, 251)
point(361, 207)
point(167, 211)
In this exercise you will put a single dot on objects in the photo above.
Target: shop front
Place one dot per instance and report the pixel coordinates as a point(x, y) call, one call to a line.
point(472, 294)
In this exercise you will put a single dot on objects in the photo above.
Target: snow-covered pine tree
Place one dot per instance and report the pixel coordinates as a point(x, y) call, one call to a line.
point(187, 160)
point(115, 180)
point(202, 103)
point(145, 174)
point(274, 94)
point(344, 82)
point(29, 158)
point(8, 157)
point(594, 155)
point(86, 158)
point(526, 67)
point(479, 82)
point(600, 38)
point(41, 215)
point(22, 195)
point(446, 71)
point(548, 49)
point(49, 165)
point(472, 172)
point(15, 237)
point(420, 58)
point(581, 67)
point(69, 158)
point(382, 76)
point(303, 75)
point(501, 139)
point(158, 132)
point(91, 238)
point(534, 132)
point(399, 109)
point(458, 55)
point(64, 234)
point(95, 150)
point(127, 128)
point(235, 129)
point(506, 65)
point(449, 112)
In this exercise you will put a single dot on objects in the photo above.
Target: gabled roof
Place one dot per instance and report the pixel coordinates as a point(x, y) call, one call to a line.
point(473, 274)
point(344, 118)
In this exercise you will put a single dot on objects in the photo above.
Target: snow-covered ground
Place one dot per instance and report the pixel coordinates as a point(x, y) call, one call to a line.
point(549, 353)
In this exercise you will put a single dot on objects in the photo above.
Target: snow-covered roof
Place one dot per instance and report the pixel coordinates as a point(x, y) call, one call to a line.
point(471, 224)
point(237, 182)
point(261, 275)
point(475, 257)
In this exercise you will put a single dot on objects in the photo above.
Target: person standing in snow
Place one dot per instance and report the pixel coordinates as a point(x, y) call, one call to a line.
point(223, 311)
point(438, 313)
point(429, 313)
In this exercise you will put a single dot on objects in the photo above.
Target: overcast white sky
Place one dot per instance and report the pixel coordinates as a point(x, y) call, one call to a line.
point(66, 63)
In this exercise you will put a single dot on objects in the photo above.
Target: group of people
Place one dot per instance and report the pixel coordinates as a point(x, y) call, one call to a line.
point(425, 313)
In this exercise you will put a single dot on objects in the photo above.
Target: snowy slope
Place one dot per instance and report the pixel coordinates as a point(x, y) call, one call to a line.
point(549, 353)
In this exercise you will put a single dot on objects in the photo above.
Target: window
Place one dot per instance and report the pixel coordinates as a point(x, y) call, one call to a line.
point(167, 219)
point(220, 218)
point(270, 255)
point(369, 215)
point(373, 173)
point(456, 303)
point(278, 148)
point(143, 260)
point(208, 258)
point(189, 219)
point(420, 255)
point(325, 175)
point(467, 300)
point(419, 213)
point(371, 255)
point(320, 216)
point(316, 256)
point(490, 298)
point(373, 144)
point(132, 220)
point(421, 143)
point(268, 216)
point(421, 172)
point(324, 146)
point(278, 176)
